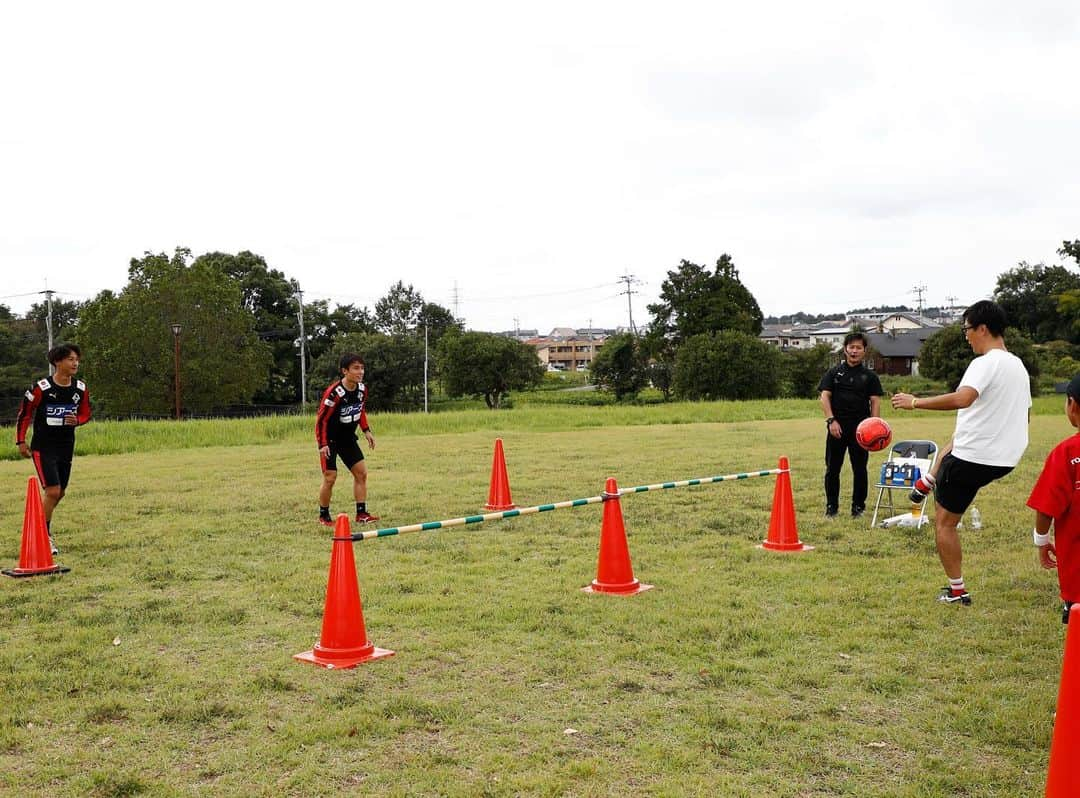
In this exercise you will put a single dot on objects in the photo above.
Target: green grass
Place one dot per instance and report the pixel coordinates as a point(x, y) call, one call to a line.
point(162, 664)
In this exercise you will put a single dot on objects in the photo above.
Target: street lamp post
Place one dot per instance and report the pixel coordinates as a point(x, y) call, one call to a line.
point(176, 365)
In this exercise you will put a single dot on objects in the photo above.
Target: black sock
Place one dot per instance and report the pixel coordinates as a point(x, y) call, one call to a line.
point(361, 507)
point(324, 512)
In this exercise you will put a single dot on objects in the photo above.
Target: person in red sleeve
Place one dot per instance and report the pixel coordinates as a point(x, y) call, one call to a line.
point(55, 406)
point(1056, 499)
point(340, 412)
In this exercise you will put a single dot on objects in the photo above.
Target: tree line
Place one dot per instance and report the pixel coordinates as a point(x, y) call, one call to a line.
point(702, 341)
point(239, 342)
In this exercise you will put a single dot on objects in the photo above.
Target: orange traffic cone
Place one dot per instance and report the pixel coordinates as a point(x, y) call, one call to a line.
point(614, 573)
point(1063, 780)
point(783, 535)
point(35, 555)
point(499, 493)
point(344, 642)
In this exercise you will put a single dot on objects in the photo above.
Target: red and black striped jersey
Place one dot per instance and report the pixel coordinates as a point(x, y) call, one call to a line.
point(46, 405)
point(339, 412)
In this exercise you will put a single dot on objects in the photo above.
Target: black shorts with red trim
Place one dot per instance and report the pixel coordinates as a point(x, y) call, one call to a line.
point(348, 450)
point(53, 465)
point(958, 481)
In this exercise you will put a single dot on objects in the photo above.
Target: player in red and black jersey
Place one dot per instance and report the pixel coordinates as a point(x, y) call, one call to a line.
point(340, 412)
point(55, 406)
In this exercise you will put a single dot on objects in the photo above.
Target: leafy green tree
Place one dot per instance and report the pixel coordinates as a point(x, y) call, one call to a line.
point(393, 368)
point(399, 311)
point(661, 374)
point(1031, 297)
point(726, 365)
point(128, 344)
point(694, 300)
point(270, 297)
point(945, 355)
point(487, 365)
point(803, 369)
point(438, 320)
point(1070, 249)
point(621, 366)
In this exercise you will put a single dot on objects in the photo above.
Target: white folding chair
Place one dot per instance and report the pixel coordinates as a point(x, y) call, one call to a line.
point(921, 456)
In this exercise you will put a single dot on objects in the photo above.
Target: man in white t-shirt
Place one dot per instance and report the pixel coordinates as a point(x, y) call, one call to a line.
point(993, 402)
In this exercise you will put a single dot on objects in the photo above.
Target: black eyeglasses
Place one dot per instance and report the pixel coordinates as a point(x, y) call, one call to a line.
point(967, 328)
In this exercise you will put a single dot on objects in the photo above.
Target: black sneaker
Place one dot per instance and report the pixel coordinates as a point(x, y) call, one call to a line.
point(857, 510)
point(830, 512)
point(949, 597)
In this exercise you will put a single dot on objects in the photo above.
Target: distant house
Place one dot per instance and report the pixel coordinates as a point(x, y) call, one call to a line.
point(898, 352)
point(785, 336)
point(569, 349)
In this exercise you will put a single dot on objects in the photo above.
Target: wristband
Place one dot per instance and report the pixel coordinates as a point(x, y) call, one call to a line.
point(830, 420)
point(914, 403)
point(1040, 540)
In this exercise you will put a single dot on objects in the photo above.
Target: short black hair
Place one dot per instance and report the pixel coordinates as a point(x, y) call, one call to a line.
point(1073, 390)
point(348, 359)
point(857, 336)
point(62, 352)
point(989, 313)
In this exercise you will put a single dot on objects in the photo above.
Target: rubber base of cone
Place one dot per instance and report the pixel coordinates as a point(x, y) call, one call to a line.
point(796, 547)
point(342, 660)
point(21, 572)
point(498, 508)
point(617, 590)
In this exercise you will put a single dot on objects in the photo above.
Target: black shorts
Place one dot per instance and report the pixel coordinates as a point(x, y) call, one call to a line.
point(349, 451)
point(53, 467)
point(958, 481)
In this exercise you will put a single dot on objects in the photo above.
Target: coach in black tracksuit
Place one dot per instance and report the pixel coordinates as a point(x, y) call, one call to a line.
point(850, 392)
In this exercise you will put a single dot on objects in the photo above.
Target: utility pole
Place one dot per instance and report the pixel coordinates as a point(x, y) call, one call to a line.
point(457, 313)
point(425, 363)
point(48, 324)
point(630, 280)
point(303, 354)
point(919, 290)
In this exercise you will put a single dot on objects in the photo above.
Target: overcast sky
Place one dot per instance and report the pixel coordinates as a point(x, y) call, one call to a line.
point(512, 161)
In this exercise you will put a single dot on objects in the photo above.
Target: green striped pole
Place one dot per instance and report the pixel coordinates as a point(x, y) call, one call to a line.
point(427, 526)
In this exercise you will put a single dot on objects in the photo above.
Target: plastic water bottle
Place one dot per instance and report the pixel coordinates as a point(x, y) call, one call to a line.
point(976, 518)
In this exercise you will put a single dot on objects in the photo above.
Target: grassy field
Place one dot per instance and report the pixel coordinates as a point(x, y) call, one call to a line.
point(162, 664)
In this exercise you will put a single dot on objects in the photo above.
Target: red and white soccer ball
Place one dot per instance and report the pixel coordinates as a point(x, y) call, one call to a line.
point(873, 434)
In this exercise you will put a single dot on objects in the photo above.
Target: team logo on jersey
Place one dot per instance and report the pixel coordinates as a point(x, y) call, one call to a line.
point(44, 385)
point(350, 414)
point(80, 385)
point(29, 396)
point(54, 414)
point(340, 390)
point(328, 402)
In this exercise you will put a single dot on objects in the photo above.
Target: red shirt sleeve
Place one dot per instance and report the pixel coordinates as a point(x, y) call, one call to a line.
point(1054, 488)
point(327, 407)
point(363, 412)
point(85, 411)
point(27, 407)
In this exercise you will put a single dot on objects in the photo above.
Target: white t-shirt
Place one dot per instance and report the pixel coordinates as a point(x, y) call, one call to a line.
point(994, 429)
